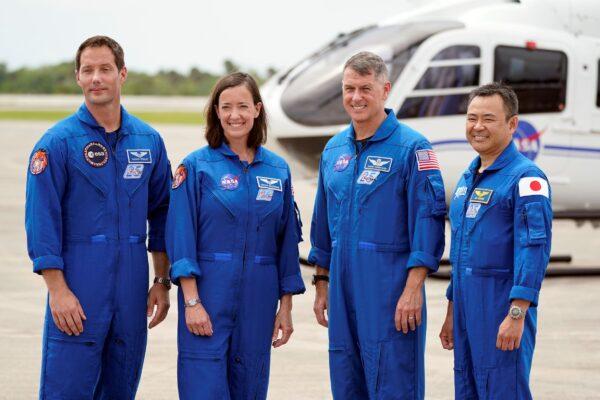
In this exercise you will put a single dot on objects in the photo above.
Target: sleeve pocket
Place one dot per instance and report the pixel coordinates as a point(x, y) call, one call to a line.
point(298, 222)
point(438, 199)
point(536, 224)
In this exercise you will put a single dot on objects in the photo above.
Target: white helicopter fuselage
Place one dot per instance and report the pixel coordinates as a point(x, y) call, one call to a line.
point(550, 54)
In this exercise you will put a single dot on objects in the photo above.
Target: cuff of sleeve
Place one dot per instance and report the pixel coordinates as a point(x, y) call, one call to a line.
point(525, 293)
point(184, 268)
point(292, 284)
point(319, 257)
point(422, 259)
point(157, 243)
point(449, 294)
point(47, 262)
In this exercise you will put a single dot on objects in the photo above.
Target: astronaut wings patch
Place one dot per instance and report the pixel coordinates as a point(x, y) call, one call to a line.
point(532, 186)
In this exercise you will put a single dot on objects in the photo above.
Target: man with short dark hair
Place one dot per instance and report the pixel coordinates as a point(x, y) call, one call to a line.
point(377, 230)
point(97, 180)
point(501, 218)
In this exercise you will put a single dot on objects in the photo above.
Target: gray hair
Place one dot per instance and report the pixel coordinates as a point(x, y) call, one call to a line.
point(508, 95)
point(365, 63)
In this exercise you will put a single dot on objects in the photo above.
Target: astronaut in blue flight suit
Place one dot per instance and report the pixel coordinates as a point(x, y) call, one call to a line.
point(232, 237)
point(377, 229)
point(90, 195)
point(501, 219)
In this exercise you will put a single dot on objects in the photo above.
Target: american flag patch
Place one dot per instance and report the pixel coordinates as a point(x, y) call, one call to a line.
point(427, 160)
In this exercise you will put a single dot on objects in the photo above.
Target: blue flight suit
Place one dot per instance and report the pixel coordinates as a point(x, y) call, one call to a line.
point(233, 227)
point(87, 212)
point(378, 212)
point(501, 232)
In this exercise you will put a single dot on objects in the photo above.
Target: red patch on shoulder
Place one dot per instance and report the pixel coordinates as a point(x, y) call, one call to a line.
point(179, 178)
point(39, 162)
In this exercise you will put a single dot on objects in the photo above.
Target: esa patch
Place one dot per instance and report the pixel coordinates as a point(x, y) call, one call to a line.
point(460, 191)
point(532, 186)
point(473, 210)
point(367, 177)
point(133, 171)
point(269, 183)
point(482, 196)
point(180, 175)
point(427, 160)
point(95, 154)
point(39, 162)
point(229, 182)
point(139, 156)
point(265, 195)
point(376, 163)
point(342, 162)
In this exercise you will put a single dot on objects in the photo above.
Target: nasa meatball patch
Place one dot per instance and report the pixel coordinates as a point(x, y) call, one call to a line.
point(532, 186)
point(38, 163)
point(95, 154)
point(179, 177)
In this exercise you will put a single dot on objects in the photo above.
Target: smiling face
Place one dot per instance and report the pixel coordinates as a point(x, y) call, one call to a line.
point(236, 111)
point(488, 129)
point(364, 96)
point(99, 77)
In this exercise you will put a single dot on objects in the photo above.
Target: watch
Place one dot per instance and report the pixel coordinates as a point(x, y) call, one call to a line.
point(163, 281)
point(192, 302)
point(515, 312)
point(317, 278)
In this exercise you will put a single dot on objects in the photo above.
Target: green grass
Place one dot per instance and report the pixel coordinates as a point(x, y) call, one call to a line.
point(153, 117)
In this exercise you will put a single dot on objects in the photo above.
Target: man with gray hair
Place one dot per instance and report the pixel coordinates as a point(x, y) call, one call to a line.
point(377, 230)
point(501, 220)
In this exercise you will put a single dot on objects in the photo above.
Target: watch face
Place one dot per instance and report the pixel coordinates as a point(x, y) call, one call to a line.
point(515, 312)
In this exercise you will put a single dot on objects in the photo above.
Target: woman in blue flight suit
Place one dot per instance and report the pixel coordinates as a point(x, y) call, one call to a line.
point(232, 238)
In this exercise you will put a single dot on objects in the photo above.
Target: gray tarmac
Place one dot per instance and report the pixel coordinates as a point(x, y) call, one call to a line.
point(566, 362)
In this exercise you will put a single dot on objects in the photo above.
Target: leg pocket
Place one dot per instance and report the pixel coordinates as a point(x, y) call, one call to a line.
point(346, 373)
point(202, 376)
point(397, 375)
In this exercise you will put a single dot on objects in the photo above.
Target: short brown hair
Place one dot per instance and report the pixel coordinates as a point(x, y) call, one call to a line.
point(214, 131)
point(99, 41)
point(506, 93)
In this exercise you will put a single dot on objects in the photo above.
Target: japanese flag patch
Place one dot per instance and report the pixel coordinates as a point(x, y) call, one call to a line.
point(427, 160)
point(532, 186)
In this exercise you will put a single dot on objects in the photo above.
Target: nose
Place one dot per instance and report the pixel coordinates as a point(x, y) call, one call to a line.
point(356, 96)
point(478, 125)
point(96, 77)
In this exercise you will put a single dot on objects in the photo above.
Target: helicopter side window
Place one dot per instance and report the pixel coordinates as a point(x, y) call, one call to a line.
point(539, 77)
point(444, 87)
point(598, 87)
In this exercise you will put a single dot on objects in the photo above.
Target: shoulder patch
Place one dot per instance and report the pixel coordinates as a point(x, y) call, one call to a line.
point(532, 186)
point(180, 175)
point(39, 162)
point(427, 160)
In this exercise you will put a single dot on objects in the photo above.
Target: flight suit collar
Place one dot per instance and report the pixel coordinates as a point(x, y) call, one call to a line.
point(87, 118)
point(507, 155)
point(226, 151)
point(387, 127)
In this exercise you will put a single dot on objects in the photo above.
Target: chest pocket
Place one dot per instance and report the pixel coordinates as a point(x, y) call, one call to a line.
point(214, 203)
point(96, 177)
point(269, 211)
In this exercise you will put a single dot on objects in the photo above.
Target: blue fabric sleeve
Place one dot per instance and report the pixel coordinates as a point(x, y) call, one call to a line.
point(533, 237)
point(426, 212)
point(320, 239)
point(158, 200)
point(182, 226)
point(290, 278)
point(43, 211)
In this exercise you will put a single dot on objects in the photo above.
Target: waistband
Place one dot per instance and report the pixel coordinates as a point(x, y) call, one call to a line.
point(106, 239)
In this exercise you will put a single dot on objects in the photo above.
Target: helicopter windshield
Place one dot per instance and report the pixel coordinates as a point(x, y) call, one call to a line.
point(313, 96)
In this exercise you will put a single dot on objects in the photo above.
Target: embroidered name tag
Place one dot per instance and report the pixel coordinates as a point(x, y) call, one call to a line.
point(376, 163)
point(139, 156)
point(269, 183)
point(482, 196)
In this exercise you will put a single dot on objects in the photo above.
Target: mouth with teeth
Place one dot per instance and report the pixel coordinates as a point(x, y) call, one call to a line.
point(358, 107)
point(480, 138)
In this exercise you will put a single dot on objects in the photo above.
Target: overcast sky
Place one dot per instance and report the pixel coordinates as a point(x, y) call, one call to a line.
point(178, 34)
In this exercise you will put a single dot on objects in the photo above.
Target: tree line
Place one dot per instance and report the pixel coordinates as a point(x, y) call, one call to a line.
point(59, 79)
